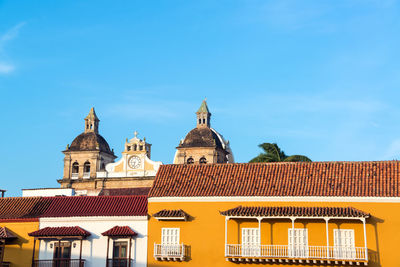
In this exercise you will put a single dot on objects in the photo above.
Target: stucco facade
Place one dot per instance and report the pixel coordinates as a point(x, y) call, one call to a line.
point(94, 247)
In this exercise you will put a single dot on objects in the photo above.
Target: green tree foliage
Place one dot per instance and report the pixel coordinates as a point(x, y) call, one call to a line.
point(272, 153)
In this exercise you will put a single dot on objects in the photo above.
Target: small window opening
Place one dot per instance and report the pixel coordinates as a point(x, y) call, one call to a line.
point(203, 160)
point(135, 147)
point(75, 167)
point(140, 148)
point(86, 167)
point(190, 161)
point(199, 121)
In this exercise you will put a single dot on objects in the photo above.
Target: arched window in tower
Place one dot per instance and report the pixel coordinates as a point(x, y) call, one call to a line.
point(134, 147)
point(86, 170)
point(190, 160)
point(203, 160)
point(75, 170)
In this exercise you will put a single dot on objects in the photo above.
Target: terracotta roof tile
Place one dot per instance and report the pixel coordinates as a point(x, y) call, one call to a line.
point(6, 234)
point(368, 178)
point(170, 213)
point(60, 231)
point(296, 211)
point(120, 231)
point(23, 207)
point(97, 206)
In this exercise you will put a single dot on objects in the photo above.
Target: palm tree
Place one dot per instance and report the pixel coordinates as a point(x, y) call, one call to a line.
point(272, 153)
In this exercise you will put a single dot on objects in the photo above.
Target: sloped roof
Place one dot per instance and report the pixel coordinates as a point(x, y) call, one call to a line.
point(23, 207)
point(6, 234)
point(364, 179)
point(171, 213)
point(120, 231)
point(60, 231)
point(296, 211)
point(97, 206)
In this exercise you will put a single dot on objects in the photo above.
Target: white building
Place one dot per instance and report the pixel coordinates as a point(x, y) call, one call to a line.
point(93, 231)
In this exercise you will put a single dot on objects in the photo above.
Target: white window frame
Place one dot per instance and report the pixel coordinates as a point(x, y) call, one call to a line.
point(344, 251)
point(299, 250)
point(253, 248)
point(170, 246)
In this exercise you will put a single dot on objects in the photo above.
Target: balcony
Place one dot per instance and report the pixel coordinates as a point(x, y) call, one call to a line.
point(74, 175)
point(169, 252)
point(86, 175)
point(119, 262)
point(59, 263)
point(285, 253)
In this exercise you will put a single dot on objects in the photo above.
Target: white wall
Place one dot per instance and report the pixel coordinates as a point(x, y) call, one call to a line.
point(95, 246)
point(48, 192)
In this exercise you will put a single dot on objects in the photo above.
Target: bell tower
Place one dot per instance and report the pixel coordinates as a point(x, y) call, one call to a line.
point(92, 122)
point(203, 115)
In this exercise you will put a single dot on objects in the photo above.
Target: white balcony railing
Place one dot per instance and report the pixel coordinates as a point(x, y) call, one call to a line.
point(74, 175)
point(86, 175)
point(169, 251)
point(297, 252)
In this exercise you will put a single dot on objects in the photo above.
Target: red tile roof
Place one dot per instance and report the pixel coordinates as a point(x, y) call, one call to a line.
point(369, 178)
point(60, 231)
point(119, 231)
point(97, 206)
point(6, 234)
point(171, 213)
point(296, 211)
point(23, 207)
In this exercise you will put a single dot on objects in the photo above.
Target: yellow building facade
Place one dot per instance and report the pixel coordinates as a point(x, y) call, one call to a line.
point(18, 251)
point(319, 214)
point(18, 217)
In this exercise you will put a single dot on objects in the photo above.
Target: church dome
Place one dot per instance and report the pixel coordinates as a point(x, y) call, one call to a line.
point(90, 141)
point(202, 137)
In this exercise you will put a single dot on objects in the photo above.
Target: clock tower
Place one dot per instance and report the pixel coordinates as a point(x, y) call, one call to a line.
point(135, 160)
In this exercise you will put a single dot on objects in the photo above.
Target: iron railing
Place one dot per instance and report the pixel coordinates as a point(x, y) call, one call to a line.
point(59, 263)
point(119, 262)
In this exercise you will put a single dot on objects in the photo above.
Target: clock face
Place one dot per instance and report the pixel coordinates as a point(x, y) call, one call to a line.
point(134, 162)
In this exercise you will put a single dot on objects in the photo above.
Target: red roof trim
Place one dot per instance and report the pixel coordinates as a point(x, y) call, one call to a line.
point(119, 231)
point(60, 231)
point(5, 233)
point(348, 212)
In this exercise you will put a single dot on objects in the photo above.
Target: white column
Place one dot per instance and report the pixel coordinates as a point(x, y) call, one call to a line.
point(259, 235)
point(226, 236)
point(365, 239)
point(292, 237)
point(327, 237)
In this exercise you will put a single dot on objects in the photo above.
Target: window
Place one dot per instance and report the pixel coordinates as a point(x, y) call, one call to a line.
point(62, 251)
point(298, 242)
point(128, 148)
point(344, 246)
point(250, 242)
point(120, 250)
point(190, 160)
point(203, 160)
point(170, 236)
point(140, 148)
point(75, 167)
point(86, 167)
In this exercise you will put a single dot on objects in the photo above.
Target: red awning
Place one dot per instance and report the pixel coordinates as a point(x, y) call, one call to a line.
point(348, 212)
point(119, 231)
point(74, 231)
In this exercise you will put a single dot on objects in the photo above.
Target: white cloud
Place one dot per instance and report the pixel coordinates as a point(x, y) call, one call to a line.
point(6, 68)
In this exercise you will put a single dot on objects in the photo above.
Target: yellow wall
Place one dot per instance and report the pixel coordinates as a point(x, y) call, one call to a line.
point(205, 233)
point(19, 251)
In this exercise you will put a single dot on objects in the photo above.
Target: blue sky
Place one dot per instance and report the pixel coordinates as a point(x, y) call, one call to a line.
point(320, 78)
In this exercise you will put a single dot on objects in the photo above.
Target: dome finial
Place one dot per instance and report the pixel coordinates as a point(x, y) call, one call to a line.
point(92, 122)
point(203, 115)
